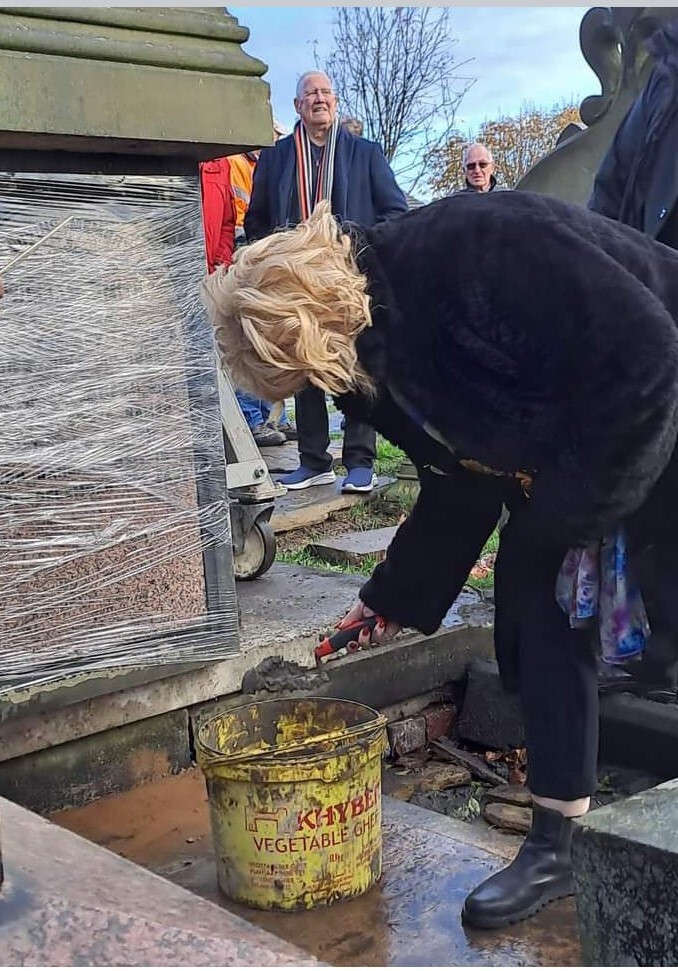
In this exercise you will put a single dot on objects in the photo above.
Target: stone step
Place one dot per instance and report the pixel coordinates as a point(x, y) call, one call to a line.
point(285, 458)
point(354, 547)
point(308, 507)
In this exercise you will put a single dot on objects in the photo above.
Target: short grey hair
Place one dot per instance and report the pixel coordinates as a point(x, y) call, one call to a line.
point(302, 81)
point(352, 125)
point(467, 149)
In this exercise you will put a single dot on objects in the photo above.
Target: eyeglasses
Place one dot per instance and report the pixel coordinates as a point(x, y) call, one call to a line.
point(320, 92)
point(470, 166)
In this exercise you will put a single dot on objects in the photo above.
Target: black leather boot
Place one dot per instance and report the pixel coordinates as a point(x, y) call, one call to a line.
point(540, 873)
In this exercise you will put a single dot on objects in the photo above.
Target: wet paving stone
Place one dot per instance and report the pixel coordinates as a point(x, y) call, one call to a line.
point(410, 918)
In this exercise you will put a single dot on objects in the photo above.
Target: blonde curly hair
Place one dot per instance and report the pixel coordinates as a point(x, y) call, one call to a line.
point(289, 309)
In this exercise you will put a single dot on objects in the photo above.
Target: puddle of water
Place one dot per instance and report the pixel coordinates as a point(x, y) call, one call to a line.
point(410, 918)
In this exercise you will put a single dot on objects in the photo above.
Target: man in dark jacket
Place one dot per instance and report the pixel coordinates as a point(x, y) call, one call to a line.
point(573, 426)
point(478, 165)
point(637, 184)
point(321, 160)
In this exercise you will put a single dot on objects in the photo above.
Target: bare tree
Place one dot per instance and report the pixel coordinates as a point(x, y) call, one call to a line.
point(394, 69)
point(516, 142)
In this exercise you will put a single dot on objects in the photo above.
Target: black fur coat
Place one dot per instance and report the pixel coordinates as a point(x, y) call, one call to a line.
point(535, 336)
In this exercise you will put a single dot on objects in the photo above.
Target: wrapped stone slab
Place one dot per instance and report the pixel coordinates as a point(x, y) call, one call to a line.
point(114, 532)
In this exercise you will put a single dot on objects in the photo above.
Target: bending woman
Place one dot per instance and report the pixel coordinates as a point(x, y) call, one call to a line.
point(522, 352)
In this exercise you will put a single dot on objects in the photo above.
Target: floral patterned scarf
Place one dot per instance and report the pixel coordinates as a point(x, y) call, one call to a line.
point(595, 582)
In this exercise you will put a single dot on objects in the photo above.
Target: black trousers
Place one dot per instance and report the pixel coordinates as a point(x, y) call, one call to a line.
point(552, 666)
point(653, 541)
point(313, 429)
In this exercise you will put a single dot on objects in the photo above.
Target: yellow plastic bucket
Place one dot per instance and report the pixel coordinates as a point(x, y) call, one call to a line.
point(294, 789)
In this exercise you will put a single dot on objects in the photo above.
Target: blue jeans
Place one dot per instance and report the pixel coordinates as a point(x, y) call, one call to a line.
point(256, 410)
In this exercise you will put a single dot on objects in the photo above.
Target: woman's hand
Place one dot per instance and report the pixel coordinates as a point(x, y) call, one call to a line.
point(383, 631)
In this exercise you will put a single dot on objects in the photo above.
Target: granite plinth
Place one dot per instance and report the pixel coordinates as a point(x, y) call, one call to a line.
point(626, 872)
point(66, 902)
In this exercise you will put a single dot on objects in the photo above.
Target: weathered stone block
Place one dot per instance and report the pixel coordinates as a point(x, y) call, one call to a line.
point(626, 873)
point(174, 85)
point(513, 819)
point(77, 772)
point(407, 735)
point(640, 734)
point(490, 716)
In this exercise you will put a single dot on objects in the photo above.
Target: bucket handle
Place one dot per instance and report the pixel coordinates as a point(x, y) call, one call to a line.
point(292, 747)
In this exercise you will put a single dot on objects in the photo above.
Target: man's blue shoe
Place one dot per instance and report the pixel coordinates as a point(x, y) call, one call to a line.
point(359, 480)
point(302, 478)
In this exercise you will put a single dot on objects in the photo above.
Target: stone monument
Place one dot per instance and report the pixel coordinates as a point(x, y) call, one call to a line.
point(112, 478)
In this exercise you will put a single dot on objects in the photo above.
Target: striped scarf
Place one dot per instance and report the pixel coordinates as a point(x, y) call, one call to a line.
point(302, 144)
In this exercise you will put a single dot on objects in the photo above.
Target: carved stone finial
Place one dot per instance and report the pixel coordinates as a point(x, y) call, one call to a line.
point(613, 42)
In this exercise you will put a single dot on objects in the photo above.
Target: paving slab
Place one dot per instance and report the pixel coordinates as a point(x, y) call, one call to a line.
point(353, 547)
point(308, 507)
point(410, 918)
point(66, 902)
point(294, 602)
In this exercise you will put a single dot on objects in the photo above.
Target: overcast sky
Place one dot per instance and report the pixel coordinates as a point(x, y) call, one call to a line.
point(516, 54)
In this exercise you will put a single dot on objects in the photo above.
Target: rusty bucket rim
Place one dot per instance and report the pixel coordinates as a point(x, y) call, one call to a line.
point(377, 723)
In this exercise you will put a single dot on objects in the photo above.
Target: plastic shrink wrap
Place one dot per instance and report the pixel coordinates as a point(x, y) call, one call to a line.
point(114, 533)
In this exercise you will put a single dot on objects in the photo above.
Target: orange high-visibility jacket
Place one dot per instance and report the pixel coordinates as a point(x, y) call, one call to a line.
point(242, 174)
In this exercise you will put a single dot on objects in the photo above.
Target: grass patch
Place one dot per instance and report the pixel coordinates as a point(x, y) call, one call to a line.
point(389, 458)
point(304, 557)
point(294, 547)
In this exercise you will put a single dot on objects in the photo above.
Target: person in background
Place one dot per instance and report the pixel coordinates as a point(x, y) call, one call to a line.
point(322, 160)
point(478, 166)
point(219, 222)
point(428, 327)
point(637, 184)
point(218, 212)
point(259, 414)
point(353, 126)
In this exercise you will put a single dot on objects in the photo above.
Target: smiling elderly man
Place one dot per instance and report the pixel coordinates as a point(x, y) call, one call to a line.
point(321, 160)
point(478, 166)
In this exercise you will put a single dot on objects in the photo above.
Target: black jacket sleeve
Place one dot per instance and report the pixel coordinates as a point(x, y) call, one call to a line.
point(433, 551)
point(612, 178)
point(258, 221)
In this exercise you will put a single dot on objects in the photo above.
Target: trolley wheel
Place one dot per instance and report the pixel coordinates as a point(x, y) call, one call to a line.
point(258, 553)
